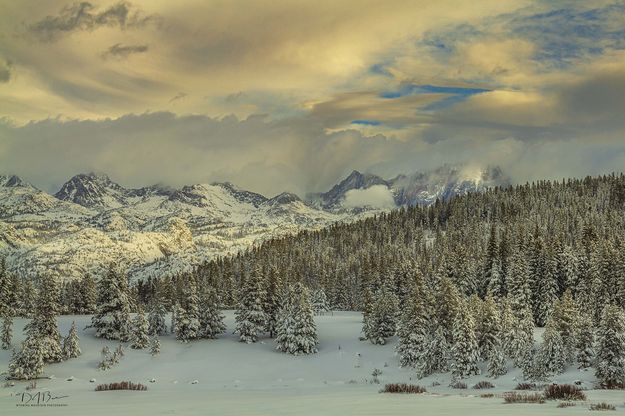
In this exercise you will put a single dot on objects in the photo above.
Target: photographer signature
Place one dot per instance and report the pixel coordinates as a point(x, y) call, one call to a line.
point(38, 398)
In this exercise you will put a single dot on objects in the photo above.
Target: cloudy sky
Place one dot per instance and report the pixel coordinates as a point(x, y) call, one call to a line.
point(292, 95)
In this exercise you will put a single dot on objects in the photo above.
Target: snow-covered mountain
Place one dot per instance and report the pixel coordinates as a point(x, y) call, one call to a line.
point(419, 188)
point(92, 221)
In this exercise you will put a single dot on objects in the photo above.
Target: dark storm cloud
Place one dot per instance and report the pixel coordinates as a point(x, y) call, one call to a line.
point(124, 51)
point(84, 16)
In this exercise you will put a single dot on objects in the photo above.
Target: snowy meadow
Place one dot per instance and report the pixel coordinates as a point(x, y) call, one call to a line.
point(226, 377)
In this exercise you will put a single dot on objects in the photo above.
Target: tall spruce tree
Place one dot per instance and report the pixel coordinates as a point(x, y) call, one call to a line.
point(250, 316)
point(211, 318)
point(140, 328)
point(112, 317)
point(297, 332)
point(610, 367)
point(465, 350)
point(413, 328)
point(383, 319)
point(488, 328)
point(585, 341)
point(71, 343)
point(44, 325)
point(187, 324)
point(7, 332)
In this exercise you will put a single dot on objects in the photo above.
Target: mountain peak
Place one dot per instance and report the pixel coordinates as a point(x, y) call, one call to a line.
point(12, 181)
point(283, 198)
point(92, 190)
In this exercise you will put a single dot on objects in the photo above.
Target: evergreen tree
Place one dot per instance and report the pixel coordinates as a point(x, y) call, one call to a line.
point(27, 299)
point(488, 328)
point(7, 332)
point(155, 345)
point(44, 325)
point(211, 318)
point(320, 302)
point(413, 328)
point(566, 319)
point(436, 355)
point(610, 367)
point(522, 338)
point(546, 288)
point(497, 363)
point(383, 318)
point(89, 297)
point(271, 301)
point(140, 328)
point(552, 354)
point(27, 364)
point(156, 317)
point(250, 317)
point(447, 306)
point(6, 290)
point(585, 342)
point(297, 332)
point(112, 317)
point(518, 283)
point(187, 316)
point(367, 311)
point(71, 345)
point(465, 350)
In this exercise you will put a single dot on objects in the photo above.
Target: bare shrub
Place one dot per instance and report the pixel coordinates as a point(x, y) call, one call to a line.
point(514, 397)
point(525, 386)
point(121, 385)
point(602, 406)
point(564, 392)
point(484, 384)
point(403, 388)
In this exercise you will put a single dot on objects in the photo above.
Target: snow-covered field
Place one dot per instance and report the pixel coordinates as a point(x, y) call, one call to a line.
point(238, 379)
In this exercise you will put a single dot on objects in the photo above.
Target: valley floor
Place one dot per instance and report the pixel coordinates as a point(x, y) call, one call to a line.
point(225, 377)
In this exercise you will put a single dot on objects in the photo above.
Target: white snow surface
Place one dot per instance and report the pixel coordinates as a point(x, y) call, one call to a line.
point(239, 379)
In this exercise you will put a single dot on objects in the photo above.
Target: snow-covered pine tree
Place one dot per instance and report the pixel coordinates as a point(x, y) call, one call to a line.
point(585, 341)
point(566, 319)
point(413, 328)
point(465, 350)
point(140, 328)
point(436, 355)
point(6, 290)
point(497, 363)
point(447, 306)
point(71, 343)
point(27, 299)
point(296, 329)
point(112, 317)
point(496, 284)
point(508, 325)
point(271, 301)
point(44, 325)
point(488, 328)
point(551, 358)
point(320, 302)
point(367, 311)
point(518, 281)
point(545, 288)
point(7, 332)
point(188, 315)
point(522, 338)
point(156, 317)
point(27, 364)
point(610, 365)
point(383, 320)
point(89, 295)
point(155, 345)
point(211, 318)
point(250, 317)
